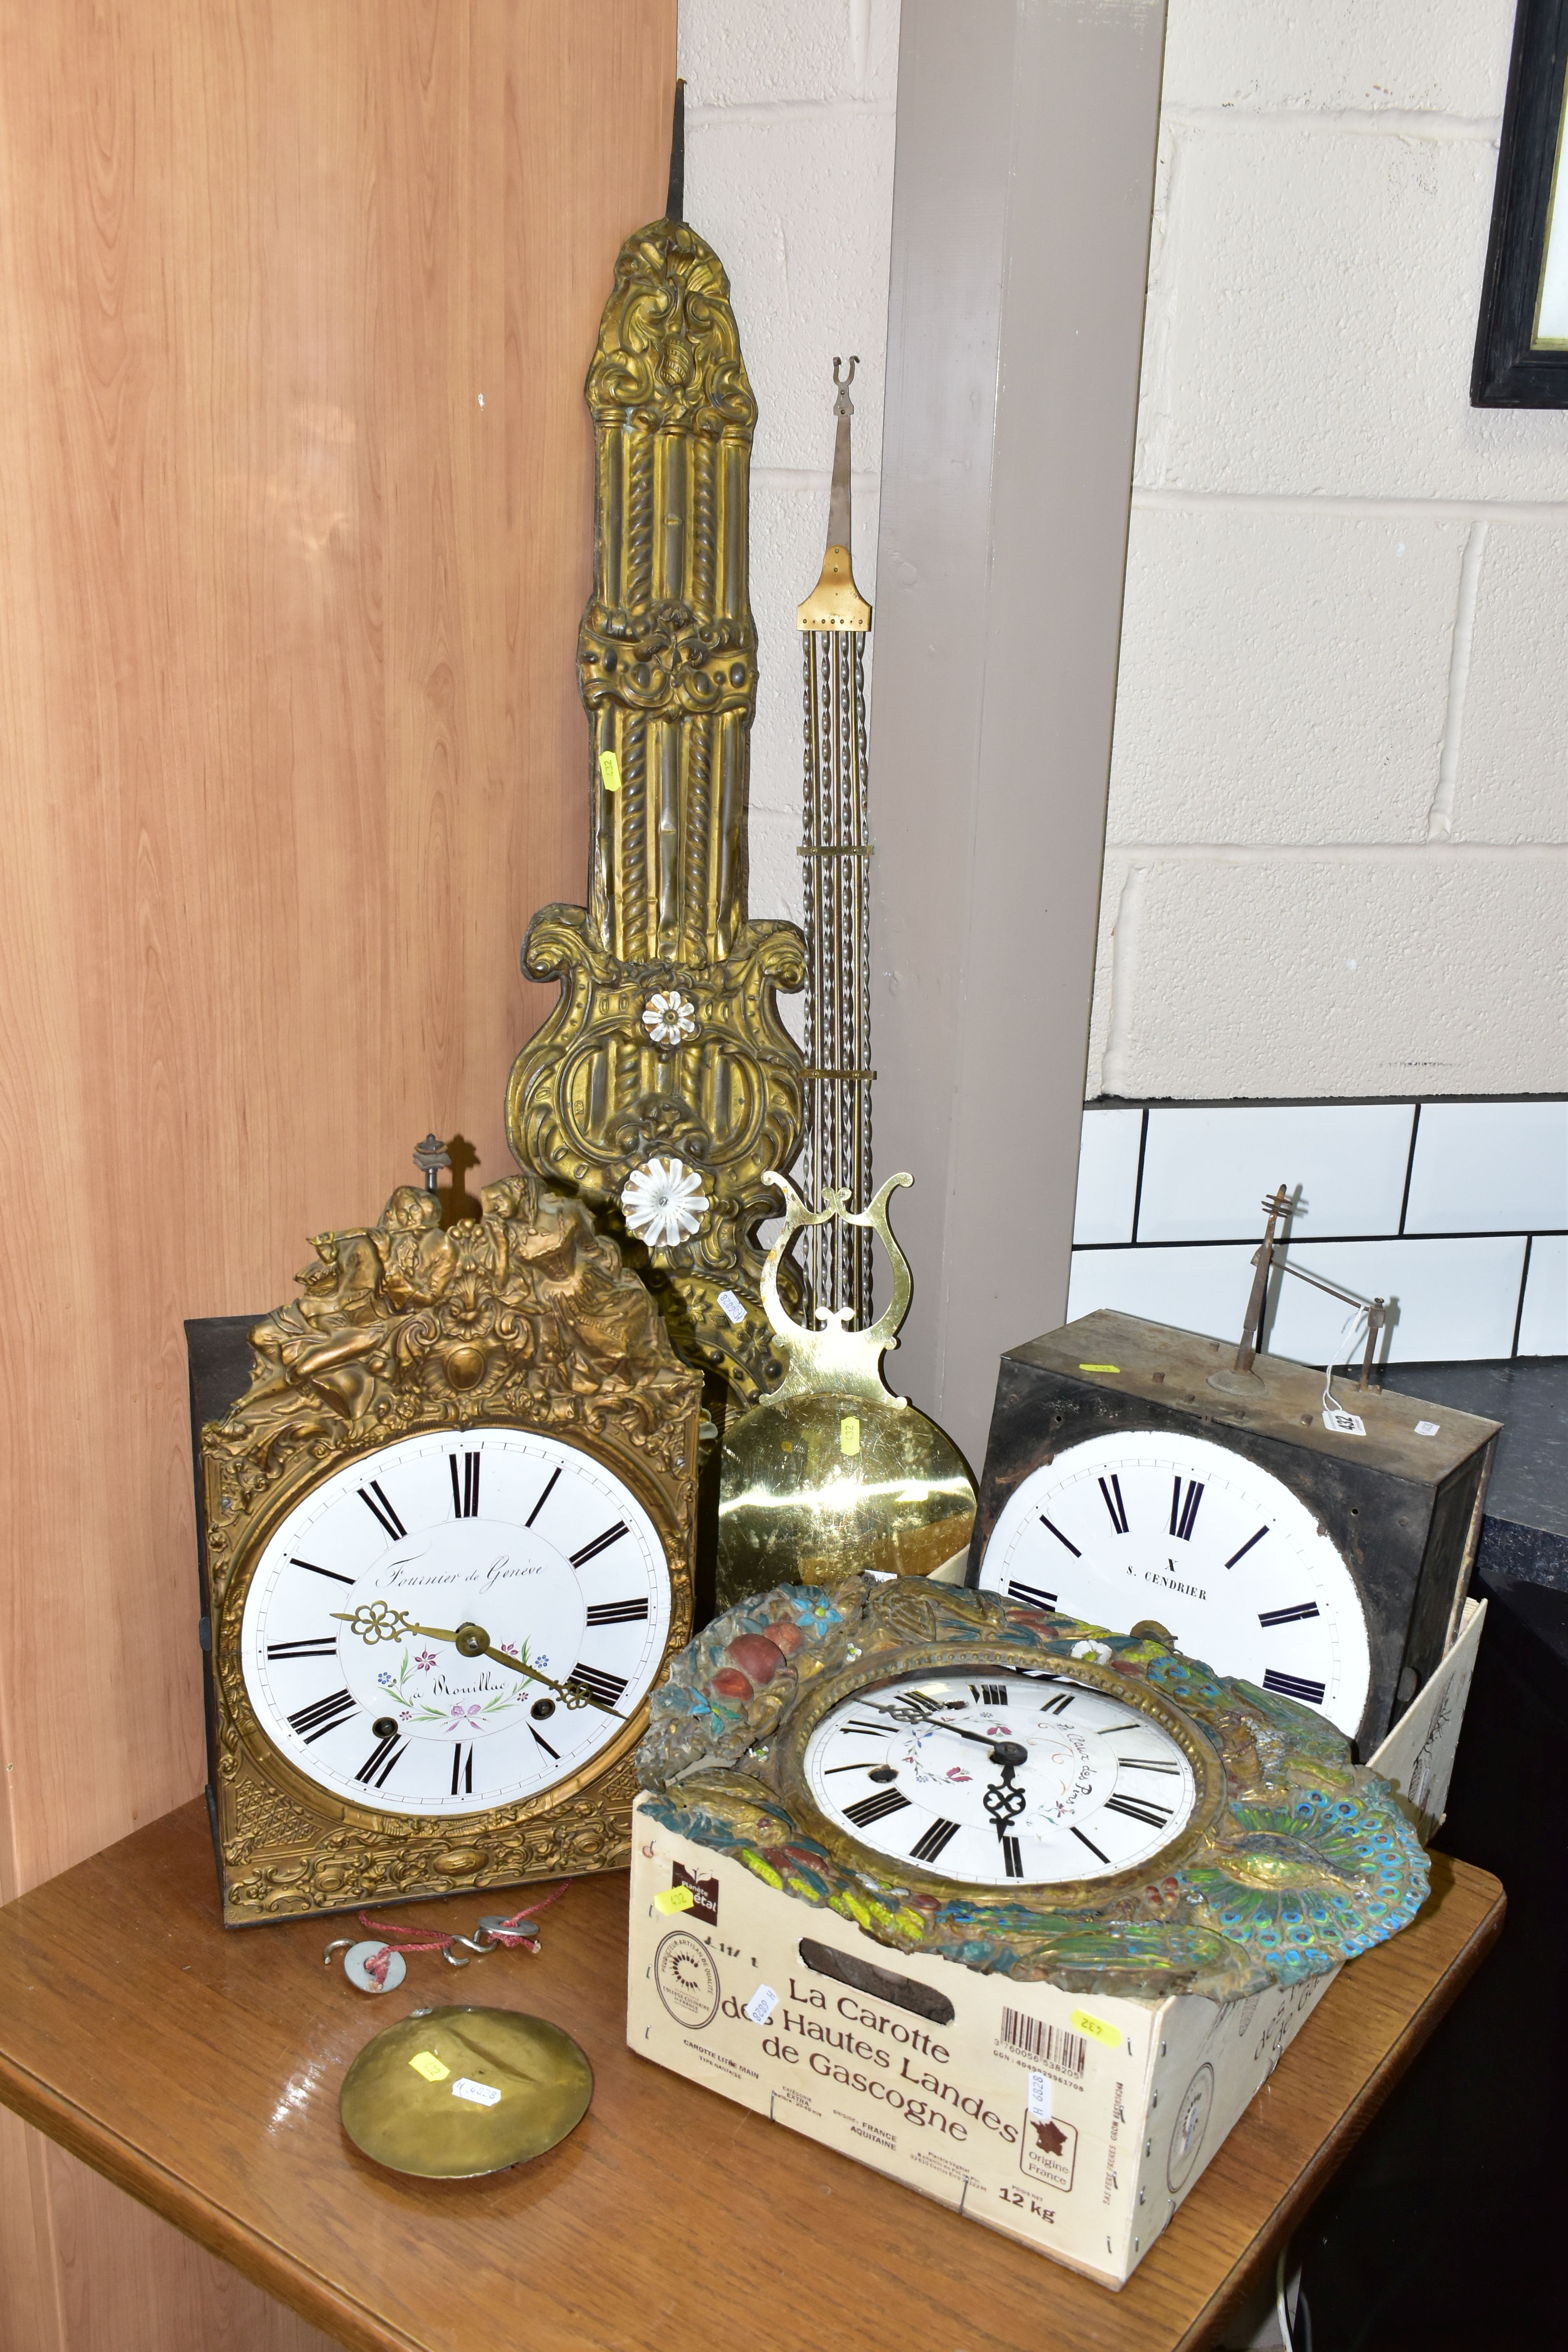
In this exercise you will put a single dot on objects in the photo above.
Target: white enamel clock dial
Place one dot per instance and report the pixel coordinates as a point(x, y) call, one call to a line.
point(989, 1777)
point(1155, 1524)
point(532, 1541)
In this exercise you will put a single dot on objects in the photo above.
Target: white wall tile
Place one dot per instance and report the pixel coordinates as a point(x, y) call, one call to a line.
point(1288, 678)
point(1490, 1167)
point(1339, 53)
point(1544, 1325)
point(1315, 313)
point(1431, 972)
point(1512, 778)
point(812, 52)
point(1107, 1175)
point(1197, 1289)
point(1205, 1171)
point(1455, 1300)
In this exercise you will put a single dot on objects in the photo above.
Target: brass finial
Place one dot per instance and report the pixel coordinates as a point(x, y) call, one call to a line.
point(429, 1157)
point(836, 603)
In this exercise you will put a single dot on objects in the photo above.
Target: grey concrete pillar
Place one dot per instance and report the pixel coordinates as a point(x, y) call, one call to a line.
point(1021, 215)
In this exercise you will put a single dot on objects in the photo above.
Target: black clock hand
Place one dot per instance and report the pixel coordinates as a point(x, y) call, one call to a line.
point(1004, 1802)
point(1002, 1751)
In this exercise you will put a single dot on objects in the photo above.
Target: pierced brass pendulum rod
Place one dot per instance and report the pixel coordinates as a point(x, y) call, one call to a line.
point(837, 852)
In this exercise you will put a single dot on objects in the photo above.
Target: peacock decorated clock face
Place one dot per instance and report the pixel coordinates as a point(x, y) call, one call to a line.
point(999, 1777)
point(455, 1622)
point(963, 1774)
point(1154, 1524)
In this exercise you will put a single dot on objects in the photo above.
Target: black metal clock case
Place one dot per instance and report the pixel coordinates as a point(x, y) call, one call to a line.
point(1404, 1511)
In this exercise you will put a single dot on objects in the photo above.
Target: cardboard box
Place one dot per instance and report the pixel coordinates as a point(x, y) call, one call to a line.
point(1077, 2125)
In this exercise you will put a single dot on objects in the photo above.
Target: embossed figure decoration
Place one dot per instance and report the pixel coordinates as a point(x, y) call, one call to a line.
point(448, 1536)
point(664, 1084)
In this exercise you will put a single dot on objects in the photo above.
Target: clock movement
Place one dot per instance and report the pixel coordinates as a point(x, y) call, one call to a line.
point(1129, 1479)
point(448, 1538)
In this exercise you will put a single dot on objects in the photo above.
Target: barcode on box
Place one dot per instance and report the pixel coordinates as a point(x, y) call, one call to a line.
point(1048, 2045)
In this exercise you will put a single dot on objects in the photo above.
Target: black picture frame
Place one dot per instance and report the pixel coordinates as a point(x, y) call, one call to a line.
point(1511, 368)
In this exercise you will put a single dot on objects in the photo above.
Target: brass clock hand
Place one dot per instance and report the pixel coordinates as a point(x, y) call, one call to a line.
point(473, 1641)
point(374, 1621)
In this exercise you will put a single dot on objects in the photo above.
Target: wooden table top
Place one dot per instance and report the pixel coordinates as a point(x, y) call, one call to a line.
point(200, 2069)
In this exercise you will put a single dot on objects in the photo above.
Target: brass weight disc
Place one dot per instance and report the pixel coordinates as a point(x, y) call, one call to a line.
point(452, 2092)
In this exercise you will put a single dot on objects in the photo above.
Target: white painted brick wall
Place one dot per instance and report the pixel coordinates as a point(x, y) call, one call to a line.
point(1441, 57)
point(1284, 676)
point(1513, 760)
point(789, 175)
point(1276, 973)
point(1338, 839)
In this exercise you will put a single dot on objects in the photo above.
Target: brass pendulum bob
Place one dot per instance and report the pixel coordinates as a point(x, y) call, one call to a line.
point(452, 2092)
point(832, 1475)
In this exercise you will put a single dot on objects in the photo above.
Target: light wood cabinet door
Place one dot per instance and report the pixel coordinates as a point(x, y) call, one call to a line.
point(295, 510)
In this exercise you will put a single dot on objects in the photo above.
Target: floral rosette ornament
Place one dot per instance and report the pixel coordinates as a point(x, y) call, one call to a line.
point(669, 1018)
point(1284, 1859)
point(663, 1202)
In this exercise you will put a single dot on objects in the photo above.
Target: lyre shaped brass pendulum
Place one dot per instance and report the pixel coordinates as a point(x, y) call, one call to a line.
point(833, 1474)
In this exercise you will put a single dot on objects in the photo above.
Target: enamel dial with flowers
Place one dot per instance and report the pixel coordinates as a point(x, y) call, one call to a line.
point(455, 1621)
point(990, 1777)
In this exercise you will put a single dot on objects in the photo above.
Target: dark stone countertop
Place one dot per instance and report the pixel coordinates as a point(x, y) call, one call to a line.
point(1526, 1530)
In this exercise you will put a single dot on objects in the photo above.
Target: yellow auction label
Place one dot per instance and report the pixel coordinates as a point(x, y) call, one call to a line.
point(849, 1434)
point(1096, 2028)
point(426, 2063)
point(674, 1898)
point(610, 772)
point(1099, 1367)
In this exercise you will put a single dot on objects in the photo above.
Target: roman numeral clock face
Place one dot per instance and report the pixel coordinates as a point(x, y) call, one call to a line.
point(1149, 1523)
point(990, 1778)
point(455, 1621)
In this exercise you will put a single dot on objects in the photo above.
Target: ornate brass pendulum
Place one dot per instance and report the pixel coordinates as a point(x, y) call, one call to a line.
point(833, 1474)
point(664, 1085)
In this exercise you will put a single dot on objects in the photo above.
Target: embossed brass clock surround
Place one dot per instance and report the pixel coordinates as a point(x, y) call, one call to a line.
point(524, 1318)
point(958, 1657)
point(707, 1078)
point(448, 1837)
